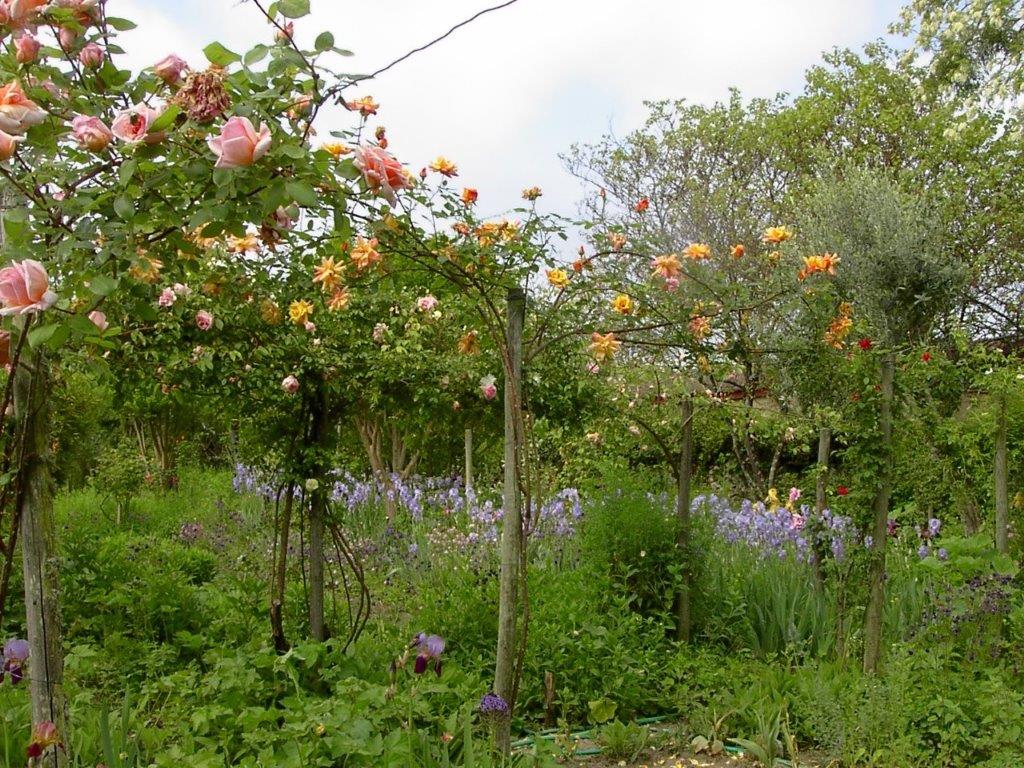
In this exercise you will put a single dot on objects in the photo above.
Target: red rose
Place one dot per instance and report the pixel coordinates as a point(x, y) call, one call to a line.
point(865, 344)
point(926, 356)
point(842, 490)
point(642, 205)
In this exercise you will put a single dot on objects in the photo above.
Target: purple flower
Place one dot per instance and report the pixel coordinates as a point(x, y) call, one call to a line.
point(869, 541)
point(923, 551)
point(15, 655)
point(430, 649)
point(934, 526)
point(943, 554)
point(493, 706)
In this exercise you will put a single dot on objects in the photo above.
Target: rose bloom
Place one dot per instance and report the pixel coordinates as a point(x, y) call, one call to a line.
point(290, 384)
point(469, 195)
point(91, 56)
point(382, 172)
point(26, 48)
point(22, 12)
point(170, 68)
point(776, 235)
point(643, 205)
point(328, 274)
point(204, 320)
point(532, 193)
point(697, 251)
point(335, 149)
point(667, 266)
point(865, 344)
point(132, 125)
point(299, 311)
point(842, 490)
point(365, 106)
point(99, 319)
point(239, 144)
point(622, 304)
point(339, 299)
point(558, 278)
point(488, 388)
point(18, 113)
point(364, 253)
point(91, 133)
point(738, 251)
point(167, 297)
point(426, 303)
point(67, 37)
point(9, 145)
point(604, 346)
point(444, 166)
point(25, 288)
point(181, 289)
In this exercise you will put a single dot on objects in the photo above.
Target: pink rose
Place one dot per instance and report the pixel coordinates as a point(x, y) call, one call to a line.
point(132, 125)
point(9, 145)
point(91, 56)
point(204, 320)
point(309, 326)
point(671, 283)
point(99, 319)
point(169, 68)
point(25, 288)
point(167, 298)
point(285, 33)
point(18, 113)
point(91, 133)
point(290, 384)
point(239, 144)
point(26, 48)
point(426, 303)
point(794, 495)
point(66, 37)
point(488, 388)
point(382, 172)
point(181, 289)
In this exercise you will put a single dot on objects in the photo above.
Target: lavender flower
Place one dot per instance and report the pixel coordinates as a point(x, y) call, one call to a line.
point(493, 707)
point(923, 551)
point(430, 649)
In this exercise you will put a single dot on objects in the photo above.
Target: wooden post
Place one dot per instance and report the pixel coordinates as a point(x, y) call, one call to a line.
point(683, 544)
point(876, 599)
point(39, 553)
point(280, 573)
point(317, 511)
point(820, 501)
point(469, 461)
point(1002, 480)
point(512, 524)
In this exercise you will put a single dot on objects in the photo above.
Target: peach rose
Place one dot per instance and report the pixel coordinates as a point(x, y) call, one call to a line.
point(382, 172)
point(169, 68)
point(9, 145)
point(99, 319)
point(26, 48)
point(18, 113)
point(132, 125)
point(25, 288)
point(91, 133)
point(67, 37)
point(22, 12)
point(239, 144)
point(91, 56)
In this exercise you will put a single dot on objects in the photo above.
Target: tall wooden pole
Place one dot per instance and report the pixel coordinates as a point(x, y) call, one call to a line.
point(469, 460)
point(1002, 480)
point(512, 523)
point(683, 543)
point(317, 511)
point(876, 600)
point(39, 553)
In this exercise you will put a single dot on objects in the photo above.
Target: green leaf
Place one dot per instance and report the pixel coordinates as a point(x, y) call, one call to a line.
point(102, 285)
point(126, 171)
point(124, 207)
point(42, 334)
point(121, 25)
point(293, 9)
point(303, 194)
point(219, 55)
point(165, 120)
point(256, 54)
point(324, 42)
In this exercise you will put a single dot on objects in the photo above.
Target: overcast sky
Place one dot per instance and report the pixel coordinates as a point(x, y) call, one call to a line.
point(505, 95)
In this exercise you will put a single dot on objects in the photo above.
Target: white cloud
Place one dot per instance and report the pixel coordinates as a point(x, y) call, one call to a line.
point(503, 96)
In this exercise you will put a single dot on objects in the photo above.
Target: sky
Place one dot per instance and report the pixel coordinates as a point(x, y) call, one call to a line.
point(505, 95)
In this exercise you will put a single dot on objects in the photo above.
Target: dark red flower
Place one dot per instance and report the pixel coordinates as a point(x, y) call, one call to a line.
point(865, 343)
point(926, 356)
point(842, 490)
point(642, 206)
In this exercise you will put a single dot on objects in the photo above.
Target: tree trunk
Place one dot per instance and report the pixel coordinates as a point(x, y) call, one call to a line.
point(1002, 481)
point(39, 552)
point(280, 573)
point(320, 438)
point(876, 599)
point(821, 485)
point(512, 524)
point(469, 462)
point(683, 544)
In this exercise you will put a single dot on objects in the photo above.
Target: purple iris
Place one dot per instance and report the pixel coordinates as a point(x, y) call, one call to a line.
point(430, 649)
point(15, 656)
point(923, 551)
point(943, 554)
point(934, 526)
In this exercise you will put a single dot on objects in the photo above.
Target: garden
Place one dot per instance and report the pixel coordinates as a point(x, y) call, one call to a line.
point(310, 457)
